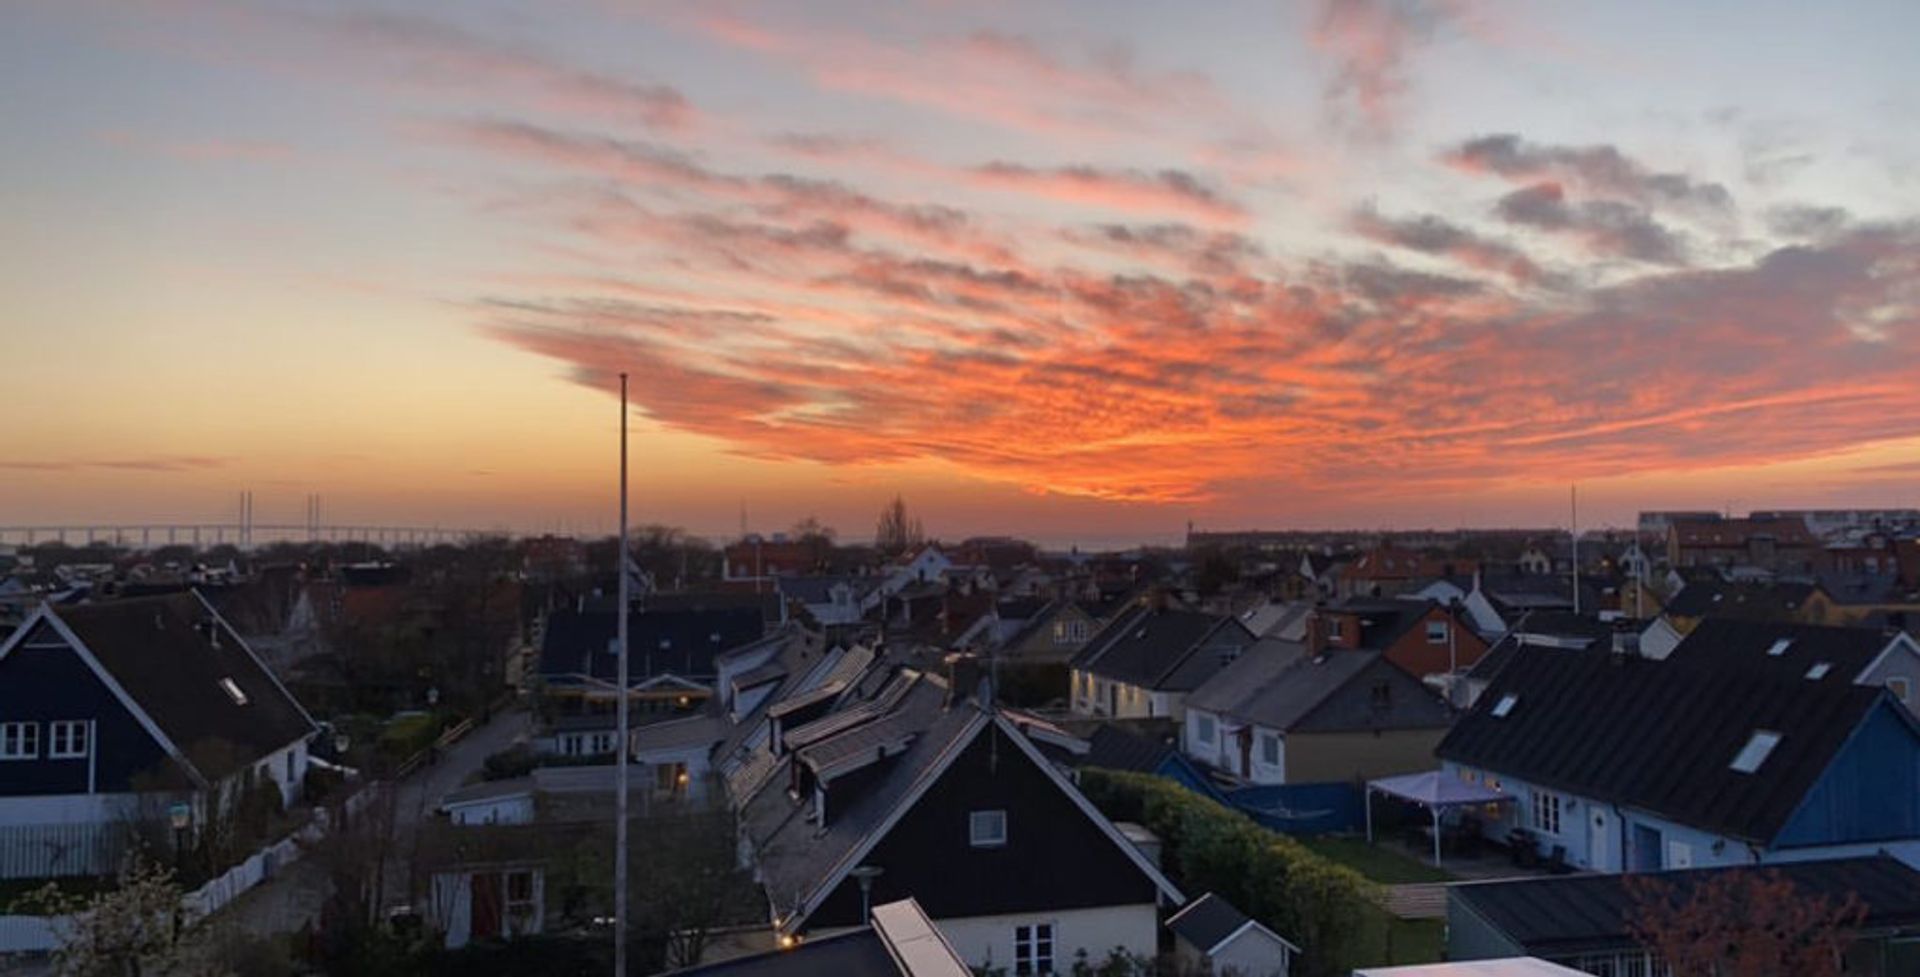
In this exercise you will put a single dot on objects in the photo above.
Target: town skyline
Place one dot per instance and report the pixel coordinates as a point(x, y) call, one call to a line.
point(1341, 264)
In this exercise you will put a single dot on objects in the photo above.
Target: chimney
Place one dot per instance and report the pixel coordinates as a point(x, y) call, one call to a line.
point(965, 676)
point(1317, 632)
point(1626, 643)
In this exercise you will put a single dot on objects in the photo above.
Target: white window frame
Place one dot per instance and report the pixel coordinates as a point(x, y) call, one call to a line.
point(987, 829)
point(1547, 808)
point(63, 734)
point(1437, 632)
point(1270, 754)
point(1205, 729)
point(19, 741)
point(1033, 949)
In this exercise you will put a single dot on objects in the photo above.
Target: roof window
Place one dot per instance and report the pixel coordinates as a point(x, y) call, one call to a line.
point(1759, 746)
point(1819, 670)
point(232, 689)
point(1779, 647)
point(1505, 705)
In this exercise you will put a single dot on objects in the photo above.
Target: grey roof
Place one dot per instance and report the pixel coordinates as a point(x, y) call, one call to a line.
point(1556, 916)
point(1206, 921)
point(859, 953)
point(704, 729)
point(1113, 747)
point(1276, 685)
point(1157, 648)
point(819, 589)
point(794, 857)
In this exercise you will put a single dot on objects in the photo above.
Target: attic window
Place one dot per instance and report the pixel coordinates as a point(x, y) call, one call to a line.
point(1779, 647)
point(1819, 670)
point(987, 829)
point(1755, 753)
point(1505, 705)
point(233, 692)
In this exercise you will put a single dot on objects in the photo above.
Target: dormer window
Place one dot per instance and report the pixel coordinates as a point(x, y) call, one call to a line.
point(233, 691)
point(1759, 746)
point(1505, 705)
point(987, 829)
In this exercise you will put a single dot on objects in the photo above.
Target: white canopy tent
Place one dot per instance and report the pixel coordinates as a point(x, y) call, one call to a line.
point(1436, 792)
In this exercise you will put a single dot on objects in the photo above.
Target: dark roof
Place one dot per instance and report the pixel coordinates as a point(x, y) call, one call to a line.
point(860, 953)
point(1660, 735)
point(1572, 914)
point(681, 642)
point(819, 589)
point(163, 653)
point(1734, 645)
point(1714, 598)
point(1206, 921)
point(1112, 747)
point(1276, 685)
point(1162, 648)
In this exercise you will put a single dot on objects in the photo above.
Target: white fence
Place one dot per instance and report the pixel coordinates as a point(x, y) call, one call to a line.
point(39, 851)
point(41, 934)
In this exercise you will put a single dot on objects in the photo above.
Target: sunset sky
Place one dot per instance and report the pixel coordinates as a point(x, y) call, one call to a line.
point(1080, 271)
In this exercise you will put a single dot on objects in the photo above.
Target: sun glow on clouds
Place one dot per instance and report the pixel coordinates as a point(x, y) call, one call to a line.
point(1077, 290)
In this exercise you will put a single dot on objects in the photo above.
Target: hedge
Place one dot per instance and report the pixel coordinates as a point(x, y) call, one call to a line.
point(1319, 904)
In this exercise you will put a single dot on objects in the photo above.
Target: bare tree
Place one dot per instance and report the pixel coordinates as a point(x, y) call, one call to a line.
point(897, 531)
point(1742, 924)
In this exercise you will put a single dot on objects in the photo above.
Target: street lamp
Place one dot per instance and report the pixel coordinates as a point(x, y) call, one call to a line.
point(865, 874)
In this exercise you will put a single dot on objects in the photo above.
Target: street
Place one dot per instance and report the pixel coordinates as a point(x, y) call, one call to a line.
point(292, 898)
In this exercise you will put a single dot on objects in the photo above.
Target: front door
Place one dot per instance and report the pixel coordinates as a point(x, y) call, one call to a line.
point(484, 921)
point(1600, 840)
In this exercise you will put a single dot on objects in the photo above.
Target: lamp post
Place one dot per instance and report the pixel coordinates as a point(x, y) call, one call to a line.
point(865, 874)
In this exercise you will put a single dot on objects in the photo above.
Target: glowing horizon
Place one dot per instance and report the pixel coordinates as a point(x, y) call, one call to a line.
point(1080, 272)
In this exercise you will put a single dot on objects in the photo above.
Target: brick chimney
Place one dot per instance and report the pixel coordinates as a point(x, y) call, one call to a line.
point(1317, 632)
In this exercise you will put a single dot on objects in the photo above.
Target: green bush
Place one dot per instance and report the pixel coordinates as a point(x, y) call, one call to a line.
point(1319, 904)
point(514, 761)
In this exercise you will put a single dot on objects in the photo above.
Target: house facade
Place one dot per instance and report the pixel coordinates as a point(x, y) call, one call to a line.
point(938, 796)
point(1281, 715)
point(1621, 763)
point(125, 710)
point(1144, 663)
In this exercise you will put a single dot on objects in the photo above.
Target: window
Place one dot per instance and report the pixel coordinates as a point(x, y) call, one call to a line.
point(1779, 647)
point(1033, 949)
point(1505, 705)
point(1751, 756)
point(67, 738)
point(233, 692)
point(1900, 689)
point(987, 829)
point(1203, 728)
point(669, 777)
point(1333, 627)
point(1436, 632)
point(1270, 749)
point(19, 741)
point(1819, 670)
point(1546, 812)
point(1068, 632)
point(522, 908)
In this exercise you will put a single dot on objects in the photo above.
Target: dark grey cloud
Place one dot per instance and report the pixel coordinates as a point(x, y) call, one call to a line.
point(1600, 170)
point(1607, 227)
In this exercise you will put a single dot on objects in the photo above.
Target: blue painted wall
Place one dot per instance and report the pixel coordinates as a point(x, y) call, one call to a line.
point(1871, 792)
point(43, 680)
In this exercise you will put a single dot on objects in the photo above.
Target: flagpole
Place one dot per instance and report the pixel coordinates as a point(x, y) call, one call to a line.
point(620, 757)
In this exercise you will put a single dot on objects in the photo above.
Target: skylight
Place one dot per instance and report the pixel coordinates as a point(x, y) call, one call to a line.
point(1755, 753)
point(1779, 647)
point(232, 689)
point(1819, 670)
point(1505, 705)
